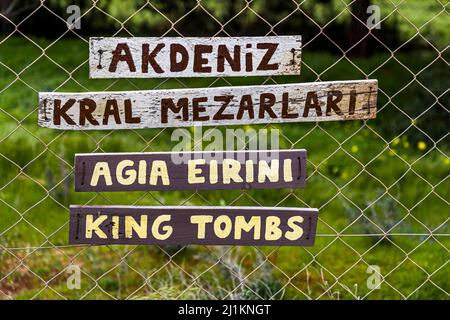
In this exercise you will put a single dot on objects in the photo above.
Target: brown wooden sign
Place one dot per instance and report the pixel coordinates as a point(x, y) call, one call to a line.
point(192, 225)
point(190, 170)
point(299, 102)
point(193, 57)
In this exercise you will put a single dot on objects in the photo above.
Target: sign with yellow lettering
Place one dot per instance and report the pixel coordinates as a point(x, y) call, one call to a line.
point(190, 170)
point(192, 225)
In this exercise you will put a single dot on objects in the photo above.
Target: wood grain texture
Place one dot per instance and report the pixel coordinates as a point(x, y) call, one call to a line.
point(101, 225)
point(300, 102)
point(194, 57)
point(126, 171)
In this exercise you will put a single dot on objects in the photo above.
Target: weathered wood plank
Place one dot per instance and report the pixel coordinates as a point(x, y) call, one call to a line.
point(192, 225)
point(190, 170)
point(300, 102)
point(194, 57)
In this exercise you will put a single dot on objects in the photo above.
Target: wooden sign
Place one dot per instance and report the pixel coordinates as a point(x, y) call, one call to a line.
point(192, 225)
point(190, 170)
point(300, 102)
point(194, 57)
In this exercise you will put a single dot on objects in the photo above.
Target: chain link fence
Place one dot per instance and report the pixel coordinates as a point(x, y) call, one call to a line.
point(381, 185)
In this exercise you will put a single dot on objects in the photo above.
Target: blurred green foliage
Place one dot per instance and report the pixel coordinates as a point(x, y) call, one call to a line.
point(366, 179)
point(404, 23)
point(389, 174)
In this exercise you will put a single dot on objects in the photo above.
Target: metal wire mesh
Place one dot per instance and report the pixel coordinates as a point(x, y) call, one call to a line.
point(406, 236)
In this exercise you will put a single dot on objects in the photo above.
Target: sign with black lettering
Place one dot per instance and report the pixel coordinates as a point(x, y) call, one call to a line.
point(194, 57)
point(192, 225)
point(300, 102)
point(190, 170)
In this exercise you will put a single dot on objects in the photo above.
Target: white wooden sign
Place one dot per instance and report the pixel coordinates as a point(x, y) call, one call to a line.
point(193, 57)
point(300, 102)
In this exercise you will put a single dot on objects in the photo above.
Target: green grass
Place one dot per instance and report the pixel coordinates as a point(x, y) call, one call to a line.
point(361, 186)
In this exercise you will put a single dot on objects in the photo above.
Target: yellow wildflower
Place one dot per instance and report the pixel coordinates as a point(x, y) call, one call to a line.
point(421, 145)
